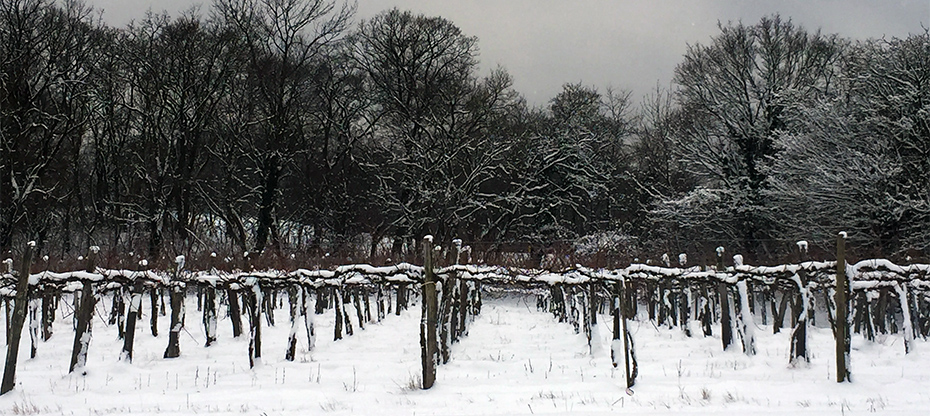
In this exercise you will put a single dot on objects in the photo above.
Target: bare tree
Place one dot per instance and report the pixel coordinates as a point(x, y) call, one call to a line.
point(858, 162)
point(734, 93)
point(46, 60)
point(177, 74)
point(432, 116)
point(284, 40)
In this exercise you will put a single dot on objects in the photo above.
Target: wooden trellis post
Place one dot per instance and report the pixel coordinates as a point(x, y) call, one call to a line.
point(176, 298)
point(842, 318)
point(799, 334)
point(135, 308)
point(726, 328)
point(428, 321)
point(18, 319)
point(293, 299)
point(209, 313)
point(627, 301)
point(254, 301)
point(85, 317)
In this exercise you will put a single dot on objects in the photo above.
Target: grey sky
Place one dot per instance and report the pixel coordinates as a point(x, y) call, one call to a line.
point(626, 44)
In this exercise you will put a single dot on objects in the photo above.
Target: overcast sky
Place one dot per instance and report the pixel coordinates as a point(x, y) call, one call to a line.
point(628, 44)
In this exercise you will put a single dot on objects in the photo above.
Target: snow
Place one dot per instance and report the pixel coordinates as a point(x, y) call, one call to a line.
point(515, 360)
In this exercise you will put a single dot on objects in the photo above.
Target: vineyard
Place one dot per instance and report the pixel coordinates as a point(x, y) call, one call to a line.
point(726, 302)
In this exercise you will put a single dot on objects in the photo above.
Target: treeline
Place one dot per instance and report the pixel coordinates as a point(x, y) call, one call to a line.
point(281, 126)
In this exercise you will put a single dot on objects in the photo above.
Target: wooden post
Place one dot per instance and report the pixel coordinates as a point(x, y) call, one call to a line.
point(18, 319)
point(85, 318)
point(176, 298)
point(726, 328)
point(445, 318)
point(428, 321)
point(308, 319)
point(48, 314)
point(293, 298)
point(254, 300)
point(116, 312)
point(337, 328)
point(626, 309)
point(357, 301)
point(135, 308)
point(34, 306)
point(209, 313)
point(799, 334)
point(842, 318)
point(463, 293)
point(235, 313)
point(401, 298)
point(153, 319)
point(615, 340)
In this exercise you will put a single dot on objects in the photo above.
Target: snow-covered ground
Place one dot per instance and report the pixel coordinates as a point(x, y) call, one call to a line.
point(514, 360)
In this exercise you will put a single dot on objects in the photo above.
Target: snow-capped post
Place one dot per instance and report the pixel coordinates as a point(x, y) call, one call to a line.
point(117, 312)
point(153, 296)
point(907, 327)
point(346, 298)
point(176, 298)
point(627, 302)
point(293, 299)
point(842, 311)
point(17, 321)
point(209, 313)
point(592, 303)
point(615, 343)
point(309, 325)
point(357, 302)
point(34, 319)
point(254, 299)
point(135, 309)
point(428, 321)
point(463, 292)
point(445, 289)
point(49, 304)
point(726, 328)
point(235, 313)
point(746, 324)
point(686, 300)
point(82, 333)
point(799, 333)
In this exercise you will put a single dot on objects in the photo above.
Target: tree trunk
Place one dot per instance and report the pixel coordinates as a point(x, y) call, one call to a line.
point(268, 192)
point(18, 319)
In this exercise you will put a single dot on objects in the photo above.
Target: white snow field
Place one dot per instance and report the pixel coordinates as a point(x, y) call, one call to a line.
point(514, 360)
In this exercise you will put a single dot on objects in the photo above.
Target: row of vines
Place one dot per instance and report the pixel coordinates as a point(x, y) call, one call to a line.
point(880, 297)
